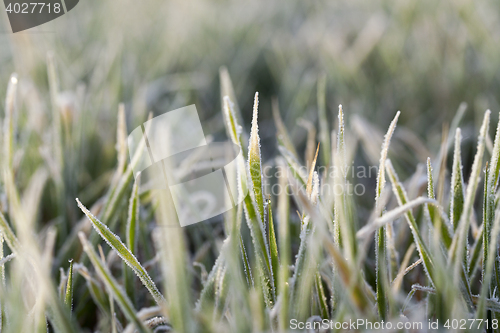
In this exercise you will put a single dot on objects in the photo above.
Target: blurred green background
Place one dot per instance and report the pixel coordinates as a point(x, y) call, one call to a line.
point(421, 57)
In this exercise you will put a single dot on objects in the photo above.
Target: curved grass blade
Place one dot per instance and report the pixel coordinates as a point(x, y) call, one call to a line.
point(381, 248)
point(133, 217)
point(227, 90)
point(112, 285)
point(124, 253)
point(344, 228)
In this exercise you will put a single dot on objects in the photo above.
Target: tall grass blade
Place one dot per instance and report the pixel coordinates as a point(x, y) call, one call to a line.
point(402, 198)
point(459, 248)
point(457, 184)
point(284, 249)
point(381, 248)
point(112, 285)
point(133, 217)
point(273, 246)
point(68, 298)
point(489, 267)
point(344, 228)
point(131, 235)
point(254, 162)
point(124, 253)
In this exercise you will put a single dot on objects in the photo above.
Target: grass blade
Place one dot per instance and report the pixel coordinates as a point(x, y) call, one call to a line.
point(68, 298)
point(8, 235)
point(381, 253)
point(112, 285)
point(402, 198)
point(273, 247)
point(284, 249)
point(254, 162)
point(457, 184)
point(132, 230)
point(124, 253)
point(441, 230)
point(459, 247)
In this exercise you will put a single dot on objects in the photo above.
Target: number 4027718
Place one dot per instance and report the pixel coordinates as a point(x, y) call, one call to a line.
point(33, 7)
point(468, 324)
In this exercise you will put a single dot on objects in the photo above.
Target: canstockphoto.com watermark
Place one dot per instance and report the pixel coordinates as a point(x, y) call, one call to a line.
point(354, 325)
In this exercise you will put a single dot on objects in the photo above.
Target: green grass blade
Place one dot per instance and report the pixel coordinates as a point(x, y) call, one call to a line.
point(124, 253)
point(132, 230)
point(441, 230)
point(232, 128)
point(273, 246)
point(254, 162)
point(209, 292)
point(320, 291)
point(402, 198)
point(476, 256)
point(112, 285)
point(261, 252)
point(68, 298)
point(459, 247)
point(381, 248)
point(133, 217)
point(246, 262)
point(118, 191)
point(344, 228)
point(457, 184)
point(8, 235)
point(491, 179)
point(489, 266)
point(284, 249)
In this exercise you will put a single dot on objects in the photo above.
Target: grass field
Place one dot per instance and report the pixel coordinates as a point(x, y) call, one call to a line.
point(354, 212)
